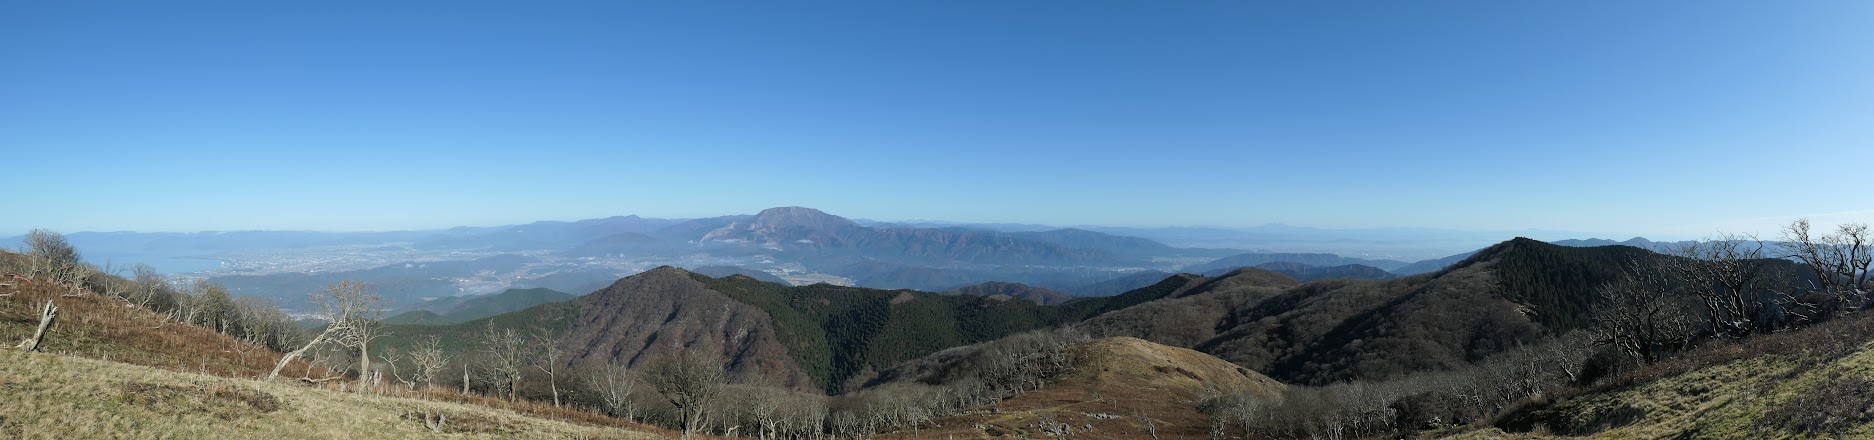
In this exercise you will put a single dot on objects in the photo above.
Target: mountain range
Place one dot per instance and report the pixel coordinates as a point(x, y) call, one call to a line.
point(817, 336)
point(171, 248)
point(836, 338)
point(1310, 259)
point(1305, 273)
point(790, 244)
point(1177, 348)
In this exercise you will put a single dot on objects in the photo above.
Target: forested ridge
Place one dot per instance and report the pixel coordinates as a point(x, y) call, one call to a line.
point(838, 333)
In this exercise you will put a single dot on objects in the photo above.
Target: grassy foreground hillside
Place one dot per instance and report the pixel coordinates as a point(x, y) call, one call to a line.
point(108, 368)
point(94, 326)
point(56, 396)
point(1815, 382)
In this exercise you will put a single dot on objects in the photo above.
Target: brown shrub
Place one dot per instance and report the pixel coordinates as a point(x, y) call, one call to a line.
point(256, 399)
point(224, 401)
point(463, 423)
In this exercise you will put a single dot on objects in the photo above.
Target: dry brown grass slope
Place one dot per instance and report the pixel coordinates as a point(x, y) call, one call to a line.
point(91, 325)
point(53, 396)
point(1117, 382)
point(108, 370)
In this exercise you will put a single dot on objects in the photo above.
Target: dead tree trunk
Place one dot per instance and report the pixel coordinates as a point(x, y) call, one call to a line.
point(364, 362)
point(302, 350)
point(45, 322)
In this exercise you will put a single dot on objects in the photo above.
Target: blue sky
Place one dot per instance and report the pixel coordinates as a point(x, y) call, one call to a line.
point(1660, 118)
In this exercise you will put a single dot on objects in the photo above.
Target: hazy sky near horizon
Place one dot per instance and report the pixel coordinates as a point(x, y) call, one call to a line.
point(1657, 117)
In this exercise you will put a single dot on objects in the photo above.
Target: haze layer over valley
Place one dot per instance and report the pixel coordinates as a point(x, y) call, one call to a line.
point(799, 245)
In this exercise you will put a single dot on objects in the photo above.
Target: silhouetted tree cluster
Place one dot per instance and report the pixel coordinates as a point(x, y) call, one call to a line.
point(1733, 286)
point(767, 412)
point(1838, 261)
point(1645, 313)
point(1742, 290)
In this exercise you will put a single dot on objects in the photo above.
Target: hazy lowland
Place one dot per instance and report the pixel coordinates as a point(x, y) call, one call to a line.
point(793, 323)
point(792, 245)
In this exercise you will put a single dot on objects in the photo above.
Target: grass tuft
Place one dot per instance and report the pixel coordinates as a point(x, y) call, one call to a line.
point(221, 400)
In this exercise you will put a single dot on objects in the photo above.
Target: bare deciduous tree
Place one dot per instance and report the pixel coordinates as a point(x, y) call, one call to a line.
point(1729, 273)
point(690, 380)
point(53, 259)
point(428, 359)
point(264, 324)
point(506, 355)
point(614, 385)
point(75, 278)
point(1564, 355)
point(1146, 421)
point(365, 329)
point(763, 404)
point(804, 416)
point(1643, 313)
point(109, 281)
point(345, 306)
point(214, 307)
point(391, 359)
point(1840, 260)
point(149, 291)
point(549, 361)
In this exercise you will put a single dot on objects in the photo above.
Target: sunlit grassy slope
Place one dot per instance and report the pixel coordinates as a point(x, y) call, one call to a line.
point(1811, 383)
point(1120, 382)
point(64, 397)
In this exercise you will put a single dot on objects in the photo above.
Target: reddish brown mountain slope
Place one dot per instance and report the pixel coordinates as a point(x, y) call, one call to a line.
point(644, 317)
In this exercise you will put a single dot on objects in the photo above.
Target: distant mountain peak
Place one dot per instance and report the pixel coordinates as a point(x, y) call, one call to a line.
point(795, 216)
point(1639, 242)
point(660, 274)
point(787, 225)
